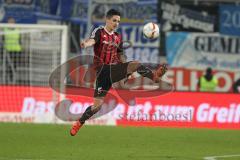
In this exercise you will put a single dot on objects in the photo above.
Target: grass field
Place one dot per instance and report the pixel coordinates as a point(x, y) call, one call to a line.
point(53, 142)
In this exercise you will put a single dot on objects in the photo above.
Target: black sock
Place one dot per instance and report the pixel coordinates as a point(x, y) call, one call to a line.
point(86, 115)
point(145, 72)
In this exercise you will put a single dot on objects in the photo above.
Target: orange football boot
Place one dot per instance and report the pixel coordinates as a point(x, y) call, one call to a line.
point(75, 128)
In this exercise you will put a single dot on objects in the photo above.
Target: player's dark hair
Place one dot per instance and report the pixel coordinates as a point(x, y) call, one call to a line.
point(112, 12)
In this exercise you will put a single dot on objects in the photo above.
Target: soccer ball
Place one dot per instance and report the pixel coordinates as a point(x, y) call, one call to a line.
point(151, 30)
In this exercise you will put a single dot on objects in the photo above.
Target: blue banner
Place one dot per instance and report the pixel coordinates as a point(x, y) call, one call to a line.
point(66, 9)
point(20, 14)
point(229, 20)
point(202, 50)
point(21, 11)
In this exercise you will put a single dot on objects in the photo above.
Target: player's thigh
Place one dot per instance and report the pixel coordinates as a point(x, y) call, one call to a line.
point(103, 83)
point(118, 71)
point(98, 101)
point(133, 66)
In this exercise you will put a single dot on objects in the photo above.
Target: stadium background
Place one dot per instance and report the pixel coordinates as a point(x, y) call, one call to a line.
point(195, 34)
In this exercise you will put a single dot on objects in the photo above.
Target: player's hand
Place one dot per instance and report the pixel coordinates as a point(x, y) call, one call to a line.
point(83, 44)
point(87, 43)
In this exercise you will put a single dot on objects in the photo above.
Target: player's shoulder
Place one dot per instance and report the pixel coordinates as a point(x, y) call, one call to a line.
point(96, 32)
point(99, 28)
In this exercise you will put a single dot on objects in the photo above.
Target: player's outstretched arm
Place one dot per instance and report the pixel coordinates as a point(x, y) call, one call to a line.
point(87, 43)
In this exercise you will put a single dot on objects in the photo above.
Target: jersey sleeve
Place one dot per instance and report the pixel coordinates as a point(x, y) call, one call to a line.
point(95, 35)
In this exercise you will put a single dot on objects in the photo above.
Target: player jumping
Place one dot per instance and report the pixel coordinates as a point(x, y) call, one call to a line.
point(110, 64)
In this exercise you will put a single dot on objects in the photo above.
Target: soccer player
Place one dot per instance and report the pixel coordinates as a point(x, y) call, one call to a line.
point(110, 64)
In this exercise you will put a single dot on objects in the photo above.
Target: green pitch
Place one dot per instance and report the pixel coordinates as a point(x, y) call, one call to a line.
point(53, 142)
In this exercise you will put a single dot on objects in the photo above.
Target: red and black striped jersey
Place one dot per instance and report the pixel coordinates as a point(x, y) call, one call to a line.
point(107, 48)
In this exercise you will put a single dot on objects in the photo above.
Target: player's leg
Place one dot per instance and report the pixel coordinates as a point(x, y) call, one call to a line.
point(123, 70)
point(89, 112)
point(103, 84)
point(145, 71)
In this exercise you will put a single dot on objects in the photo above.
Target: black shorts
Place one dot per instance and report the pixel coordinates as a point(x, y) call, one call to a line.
point(107, 75)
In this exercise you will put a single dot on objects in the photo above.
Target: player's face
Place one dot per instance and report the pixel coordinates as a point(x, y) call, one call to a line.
point(113, 22)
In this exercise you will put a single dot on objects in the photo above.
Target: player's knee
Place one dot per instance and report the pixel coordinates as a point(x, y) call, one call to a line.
point(134, 62)
point(132, 66)
point(95, 109)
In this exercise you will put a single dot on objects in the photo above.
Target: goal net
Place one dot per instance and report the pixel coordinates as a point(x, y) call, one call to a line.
point(29, 53)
